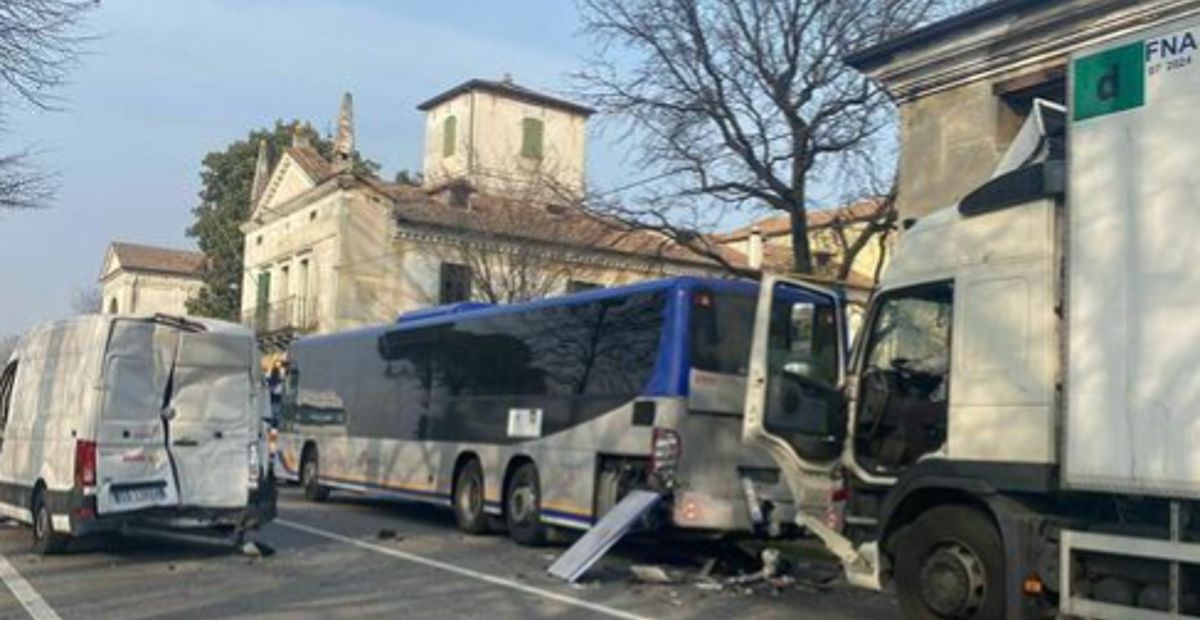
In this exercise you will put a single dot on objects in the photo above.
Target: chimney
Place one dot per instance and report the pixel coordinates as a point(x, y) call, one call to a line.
point(343, 142)
point(754, 248)
point(261, 172)
point(301, 136)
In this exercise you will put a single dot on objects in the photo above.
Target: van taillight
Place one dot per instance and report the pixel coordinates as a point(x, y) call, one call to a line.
point(85, 463)
point(664, 456)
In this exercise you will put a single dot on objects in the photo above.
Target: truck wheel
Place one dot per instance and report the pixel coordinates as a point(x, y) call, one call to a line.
point(309, 468)
point(45, 540)
point(468, 499)
point(523, 507)
point(950, 564)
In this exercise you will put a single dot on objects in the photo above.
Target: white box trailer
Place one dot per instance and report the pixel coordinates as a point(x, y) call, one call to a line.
point(1022, 410)
point(1133, 285)
point(132, 424)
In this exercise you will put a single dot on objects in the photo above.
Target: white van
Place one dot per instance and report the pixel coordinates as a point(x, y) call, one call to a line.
point(134, 424)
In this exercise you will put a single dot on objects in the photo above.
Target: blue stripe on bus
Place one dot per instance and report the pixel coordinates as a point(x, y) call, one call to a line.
point(567, 516)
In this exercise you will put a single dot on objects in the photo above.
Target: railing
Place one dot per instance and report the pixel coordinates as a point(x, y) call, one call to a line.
point(291, 314)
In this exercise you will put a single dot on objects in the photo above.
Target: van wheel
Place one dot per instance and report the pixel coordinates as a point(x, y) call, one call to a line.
point(523, 507)
point(950, 564)
point(45, 540)
point(309, 468)
point(468, 499)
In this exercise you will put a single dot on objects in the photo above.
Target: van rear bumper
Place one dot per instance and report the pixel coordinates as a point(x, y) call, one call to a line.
point(84, 520)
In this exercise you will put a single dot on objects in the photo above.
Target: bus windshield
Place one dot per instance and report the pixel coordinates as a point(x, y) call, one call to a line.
point(722, 326)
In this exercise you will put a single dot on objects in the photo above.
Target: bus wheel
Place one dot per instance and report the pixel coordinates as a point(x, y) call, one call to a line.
point(45, 540)
point(468, 499)
point(523, 507)
point(950, 564)
point(309, 467)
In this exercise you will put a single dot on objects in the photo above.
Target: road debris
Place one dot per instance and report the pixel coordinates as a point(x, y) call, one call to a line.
point(254, 549)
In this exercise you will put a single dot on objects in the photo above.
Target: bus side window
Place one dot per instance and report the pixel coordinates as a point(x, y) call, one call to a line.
point(8, 381)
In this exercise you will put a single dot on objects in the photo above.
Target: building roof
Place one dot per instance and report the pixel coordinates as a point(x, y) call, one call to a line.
point(562, 225)
point(315, 166)
point(861, 211)
point(507, 88)
point(872, 57)
point(134, 257)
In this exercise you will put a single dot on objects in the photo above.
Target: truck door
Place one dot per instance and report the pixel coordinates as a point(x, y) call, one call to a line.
point(211, 416)
point(794, 405)
point(133, 466)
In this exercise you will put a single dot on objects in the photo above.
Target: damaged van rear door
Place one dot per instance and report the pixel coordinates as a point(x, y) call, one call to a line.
point(176, 428)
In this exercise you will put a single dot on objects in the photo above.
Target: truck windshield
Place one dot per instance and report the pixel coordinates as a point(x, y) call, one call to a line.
point(722, 327)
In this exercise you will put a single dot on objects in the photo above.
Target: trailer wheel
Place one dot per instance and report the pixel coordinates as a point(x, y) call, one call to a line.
point(309, 469)
point(523, 507)
point(950, 564)
point(45, 540)
point(468, 499)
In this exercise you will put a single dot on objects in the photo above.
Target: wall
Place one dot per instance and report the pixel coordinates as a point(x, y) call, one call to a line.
point(308, 233)
point(149, 293)
point(489, 144)
point(949, 144)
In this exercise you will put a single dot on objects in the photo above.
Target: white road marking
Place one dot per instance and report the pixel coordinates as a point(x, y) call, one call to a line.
point(28, 597)
point(465, 572)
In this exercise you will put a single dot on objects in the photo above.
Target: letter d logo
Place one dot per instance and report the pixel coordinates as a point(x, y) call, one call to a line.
point(1110, 81)
point(1108, 87)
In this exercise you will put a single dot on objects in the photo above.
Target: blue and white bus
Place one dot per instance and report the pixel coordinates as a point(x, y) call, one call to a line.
point(546, 413)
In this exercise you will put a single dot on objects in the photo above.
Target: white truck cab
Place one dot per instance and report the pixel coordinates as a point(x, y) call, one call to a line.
point(1018, 425)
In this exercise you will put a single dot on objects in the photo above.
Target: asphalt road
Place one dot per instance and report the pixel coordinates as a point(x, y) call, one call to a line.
point(331, 561)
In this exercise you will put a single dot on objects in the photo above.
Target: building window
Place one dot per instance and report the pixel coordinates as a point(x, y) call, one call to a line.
point(312, 215)
point(258, 241)
point(449, 136)
point(532, 131)
point(823, 259)
point(455, 284)
point(460, 196)
point(579, 286)
point(113, 308)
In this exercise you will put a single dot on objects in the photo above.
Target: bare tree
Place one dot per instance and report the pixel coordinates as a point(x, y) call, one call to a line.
point(742, 102)
point(38, 46)
point(529, 239)
point(87, 300)
point(519, 249)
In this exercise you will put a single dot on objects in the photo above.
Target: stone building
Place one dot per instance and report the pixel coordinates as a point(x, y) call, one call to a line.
point(836, 237)
point(965, 85)
point(328, 248)
point(141, 279)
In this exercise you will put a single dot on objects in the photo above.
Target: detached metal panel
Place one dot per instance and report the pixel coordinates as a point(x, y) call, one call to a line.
point(1133, 381)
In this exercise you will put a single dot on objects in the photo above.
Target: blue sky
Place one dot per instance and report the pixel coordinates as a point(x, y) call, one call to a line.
point(167, 81)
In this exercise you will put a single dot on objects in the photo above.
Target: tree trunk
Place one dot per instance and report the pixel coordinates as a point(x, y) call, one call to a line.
point(801, 252)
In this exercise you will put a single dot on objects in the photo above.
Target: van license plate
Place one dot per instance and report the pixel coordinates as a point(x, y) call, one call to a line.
point(139, 496)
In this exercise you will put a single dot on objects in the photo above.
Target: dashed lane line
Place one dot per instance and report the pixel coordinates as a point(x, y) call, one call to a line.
point(465, 572)
point(34, 604)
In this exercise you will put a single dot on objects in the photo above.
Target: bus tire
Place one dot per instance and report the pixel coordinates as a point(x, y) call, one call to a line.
point(523, 507)
point(468, 499)
point(310, 467)
point(950, 564)
point(45, 540)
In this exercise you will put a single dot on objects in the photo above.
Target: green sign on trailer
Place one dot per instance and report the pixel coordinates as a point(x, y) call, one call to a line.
point(1111, 81)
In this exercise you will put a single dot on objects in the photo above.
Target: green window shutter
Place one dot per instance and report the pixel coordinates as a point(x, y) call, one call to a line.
point(532, 130)
point(449, 136)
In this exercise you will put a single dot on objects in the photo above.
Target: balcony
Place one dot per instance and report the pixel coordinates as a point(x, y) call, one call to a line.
point(291, 316)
